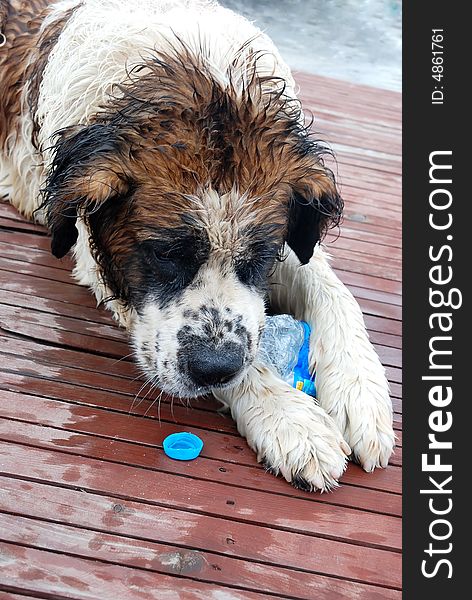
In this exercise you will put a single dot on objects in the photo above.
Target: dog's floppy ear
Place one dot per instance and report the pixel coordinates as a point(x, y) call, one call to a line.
point(87, 170)
point(315, 206)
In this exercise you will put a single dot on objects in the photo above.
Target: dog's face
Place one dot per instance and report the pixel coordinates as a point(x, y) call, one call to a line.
point(197, 286)
point(189, 189)
point(203, 310)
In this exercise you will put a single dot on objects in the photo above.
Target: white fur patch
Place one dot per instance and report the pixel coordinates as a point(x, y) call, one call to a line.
point(104, 39)
point(287, 429)
point(351, 382)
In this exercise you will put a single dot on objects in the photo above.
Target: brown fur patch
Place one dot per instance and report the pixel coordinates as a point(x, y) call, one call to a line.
point(34, 73)
point(188, 133)
point(173, 148)
point(24, 44)
point(180, 133)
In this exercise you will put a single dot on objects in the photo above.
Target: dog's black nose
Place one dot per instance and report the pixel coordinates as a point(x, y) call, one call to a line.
point(211, 366)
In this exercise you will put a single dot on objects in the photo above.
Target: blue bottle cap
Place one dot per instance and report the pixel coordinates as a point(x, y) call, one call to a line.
point(182, 446)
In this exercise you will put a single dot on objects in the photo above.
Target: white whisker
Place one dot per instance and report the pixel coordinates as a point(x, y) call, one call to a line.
point(137, 394)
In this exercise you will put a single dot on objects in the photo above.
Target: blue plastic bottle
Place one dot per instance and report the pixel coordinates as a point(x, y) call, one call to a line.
point(285, 346)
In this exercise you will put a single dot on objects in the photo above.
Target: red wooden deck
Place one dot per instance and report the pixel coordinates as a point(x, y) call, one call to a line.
point(90, 507)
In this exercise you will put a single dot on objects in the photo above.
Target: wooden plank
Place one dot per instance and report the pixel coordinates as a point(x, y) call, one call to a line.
point(129, 390)
point(110, 368)
point(352, 97)
point(225, 449)
point(377, 295)
point(357, 223)
point(113, 449)
point(396, 390)
point(383, 211)
point(377, 164)
point(100, 315)
point(39, 264)
point(368, 101)
point(36, 571)
point(95, 314)
point(365, 141)
point(372, 244)
point(367, 189)
point(169, 525)
point(332, 113)
point(377, 202)
point(249, 506)
point(352, 231)
point(36, 270)
point(368, 176)
point(9, 212)
point(394, 374)
point(355, 96)
point(358, 117)
point(38, 326)
point(350, 263)
point(369, 282)
point(58, 270)
point(10, 316)
point(389, 479)
point(13, 225)
point(369, 306)
point(384, 129)
point(25, 239)
point(385, 339)
point(380, 309)
point(28, 285)
point(11, 596)
point(111, 341)
point(33, 255)
point(359, 214)
point(11, 219)
point(28, 348)
point(34, 286)
point(363, 247)
point(163, 558)
point(28, 372)
point(390, 357)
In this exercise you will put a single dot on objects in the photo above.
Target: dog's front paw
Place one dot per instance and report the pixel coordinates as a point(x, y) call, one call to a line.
point(290, 433)
point(355, 393)
point(364, 414)
point(373, 441)
point(298, 440)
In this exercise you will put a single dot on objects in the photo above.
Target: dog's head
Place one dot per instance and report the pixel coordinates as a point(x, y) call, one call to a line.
point(189, 187)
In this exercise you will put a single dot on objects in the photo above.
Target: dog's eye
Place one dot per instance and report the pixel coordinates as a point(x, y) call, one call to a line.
point(255, 271)
point(160, 258)
point(171, 261)
point(255, 268)
point(248, 273)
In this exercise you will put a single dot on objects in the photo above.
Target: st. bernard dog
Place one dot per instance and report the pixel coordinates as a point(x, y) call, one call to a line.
point(163, 142)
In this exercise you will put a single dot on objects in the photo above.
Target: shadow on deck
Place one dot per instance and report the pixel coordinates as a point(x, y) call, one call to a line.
point(91, 508)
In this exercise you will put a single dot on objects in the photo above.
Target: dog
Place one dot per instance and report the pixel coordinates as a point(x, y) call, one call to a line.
point(162, 142)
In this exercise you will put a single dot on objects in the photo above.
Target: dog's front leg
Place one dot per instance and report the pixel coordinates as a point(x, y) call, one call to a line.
point(290, 433)
point(350, 380)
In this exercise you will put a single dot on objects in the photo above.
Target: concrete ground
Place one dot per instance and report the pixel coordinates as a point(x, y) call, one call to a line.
point(353, 40)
